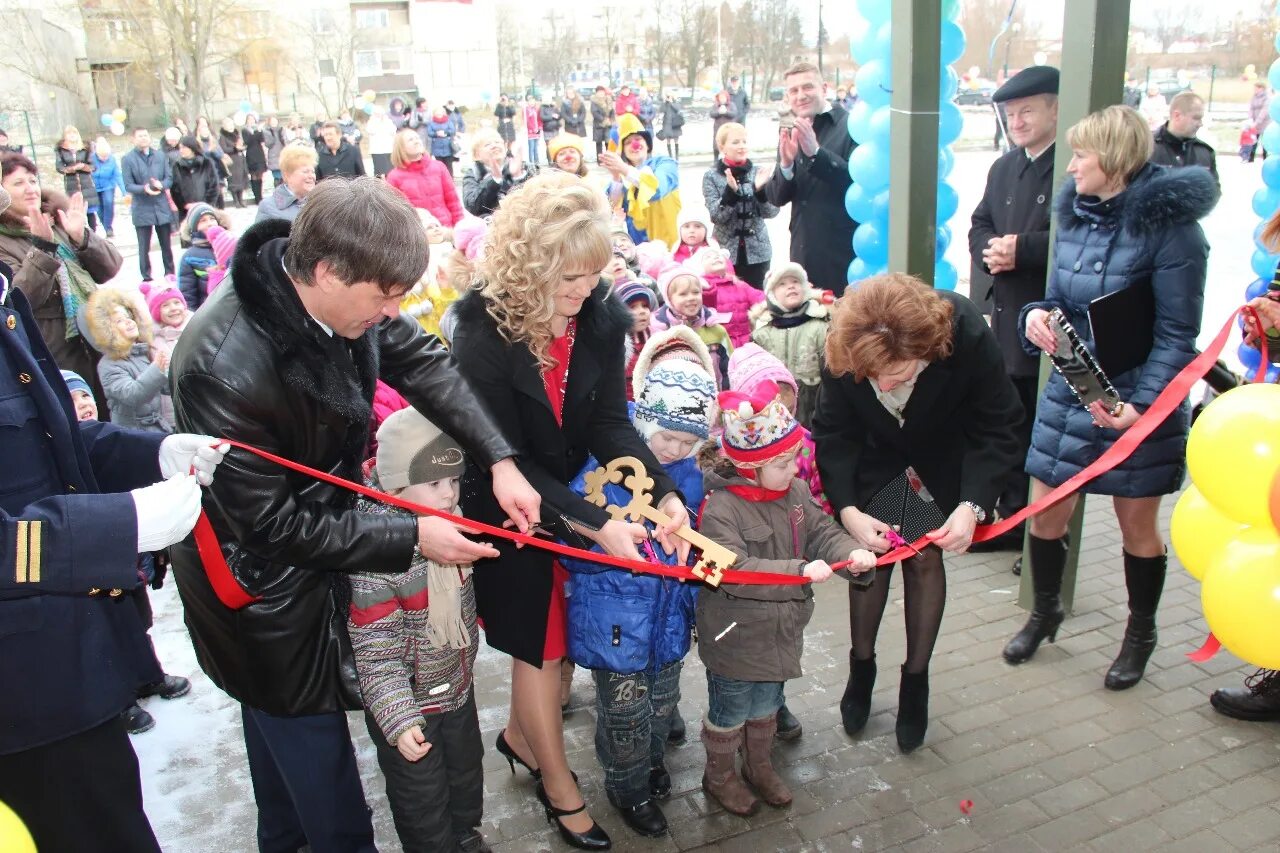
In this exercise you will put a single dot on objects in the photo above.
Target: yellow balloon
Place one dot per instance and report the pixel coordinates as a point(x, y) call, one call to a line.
point(1234, 451)
point(119, 114)
point(1199, 532)
point(1241, 597)
point(14, 837)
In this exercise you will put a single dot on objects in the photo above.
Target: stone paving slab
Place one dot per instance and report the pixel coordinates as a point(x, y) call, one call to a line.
point(1050, 760)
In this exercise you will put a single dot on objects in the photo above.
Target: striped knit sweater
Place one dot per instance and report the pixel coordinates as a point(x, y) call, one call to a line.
point(403, 677)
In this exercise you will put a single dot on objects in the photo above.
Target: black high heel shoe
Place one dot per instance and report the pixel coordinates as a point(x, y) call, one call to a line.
point(505, 750)
point(594, 838)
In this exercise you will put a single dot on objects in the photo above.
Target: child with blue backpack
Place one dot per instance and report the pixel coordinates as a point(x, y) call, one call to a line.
point(633, 630)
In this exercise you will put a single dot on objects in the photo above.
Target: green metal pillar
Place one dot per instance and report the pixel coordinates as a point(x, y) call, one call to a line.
point(913, 127)
point(1095, 36)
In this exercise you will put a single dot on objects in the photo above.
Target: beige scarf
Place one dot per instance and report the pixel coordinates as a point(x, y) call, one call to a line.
point(445, 628)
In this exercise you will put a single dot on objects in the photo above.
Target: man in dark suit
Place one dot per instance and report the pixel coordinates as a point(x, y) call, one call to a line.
point(78, 502)
point(813, 176)
point(1009, 241)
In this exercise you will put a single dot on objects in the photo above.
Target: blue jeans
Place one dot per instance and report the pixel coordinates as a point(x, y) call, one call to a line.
point(306, 784)
point(533, 151)
point(107, 204)
point(731, 702)
point(633, 719)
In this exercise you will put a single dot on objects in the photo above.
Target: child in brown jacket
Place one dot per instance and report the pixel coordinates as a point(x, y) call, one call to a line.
point(750, 637)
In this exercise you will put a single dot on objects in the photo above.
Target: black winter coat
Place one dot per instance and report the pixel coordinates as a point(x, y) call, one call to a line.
point(346, 161)
point(513, 591)
point(575, 121)
point(255, 151)
point(821, 230)
point(551, 119)
point(253, 366)
point(1016, 201)
point(194, 180)
point(76, 182)
point(1173, 150)
point(1148, 233)
point(959, 430)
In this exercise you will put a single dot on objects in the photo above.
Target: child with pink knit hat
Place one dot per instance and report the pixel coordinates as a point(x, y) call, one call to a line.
point(223, 243)
point(682, 288)
point(725, 292)
point(168, 308)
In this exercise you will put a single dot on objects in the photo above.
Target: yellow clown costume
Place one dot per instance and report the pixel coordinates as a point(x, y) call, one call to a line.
point(652, 201)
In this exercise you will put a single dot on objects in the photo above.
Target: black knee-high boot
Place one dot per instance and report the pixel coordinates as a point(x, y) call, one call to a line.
point(1048, 561)
point(1144, 578)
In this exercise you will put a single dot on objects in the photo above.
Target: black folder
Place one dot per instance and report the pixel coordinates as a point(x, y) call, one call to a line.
point(1123, 325)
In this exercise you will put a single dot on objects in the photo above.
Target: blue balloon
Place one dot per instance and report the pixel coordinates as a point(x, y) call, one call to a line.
point(1256, 289)
point(875, 83)
point(882, 49)
point(950, 123)
point(367, 109)
point(1271, 170)
point(1266, 200)
point(1273, 374)
point(862, 41)
point(1273, 109)
point(858, 270)
point(486, 96)
point(870, 244)
point(877, 12)
point(857, 203)
point(942, 241)
point(860, 119)
point(880, 210)
point(952, 43)
point(107, 119)
point(951, 11)
point(878, 127)
point(1273, 75)
point(869, 166)
point(1249, 356)
point(948, 84)
point(1271, 138)
point(246, 107)
point(1264, 264)
point(948, 202)
point(945, 276)
point(946, 161)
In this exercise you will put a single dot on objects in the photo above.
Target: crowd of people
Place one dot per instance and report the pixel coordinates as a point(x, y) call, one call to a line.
point(483, 357)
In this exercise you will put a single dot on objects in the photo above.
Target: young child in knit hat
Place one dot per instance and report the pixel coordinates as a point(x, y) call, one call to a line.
point(726, 293)
point(193, 269)
point(633, 630)
point(168, 308)
point(414, 636)
point(793, 326)
point(750, 638)
point(683, 290)
point(641, 302)
point(749, 367)
point(693, 226)
point(81, 396)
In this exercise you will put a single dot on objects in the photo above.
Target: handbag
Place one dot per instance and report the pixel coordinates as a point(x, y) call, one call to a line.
point(455, 146)
point(906, 505)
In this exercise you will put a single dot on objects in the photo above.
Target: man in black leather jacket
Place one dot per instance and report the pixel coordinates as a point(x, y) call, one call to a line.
point(286, 359)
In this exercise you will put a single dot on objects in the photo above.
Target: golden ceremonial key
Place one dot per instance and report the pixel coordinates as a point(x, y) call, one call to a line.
point(630, 472)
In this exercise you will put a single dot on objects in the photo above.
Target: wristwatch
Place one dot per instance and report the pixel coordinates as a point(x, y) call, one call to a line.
point(979, 513)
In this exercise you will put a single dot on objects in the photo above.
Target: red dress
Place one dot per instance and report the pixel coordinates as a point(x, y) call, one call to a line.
point(554, 381)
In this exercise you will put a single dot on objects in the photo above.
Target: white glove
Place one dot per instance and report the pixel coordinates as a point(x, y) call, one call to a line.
point(181, 452)
point(166, 511)
point(817, 571)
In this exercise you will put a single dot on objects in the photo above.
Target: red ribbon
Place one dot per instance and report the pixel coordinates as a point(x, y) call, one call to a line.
point(1210, 648)
point(234, 596)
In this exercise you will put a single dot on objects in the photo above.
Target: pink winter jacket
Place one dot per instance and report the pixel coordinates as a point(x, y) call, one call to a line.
point(734, 297)
point(427, 185)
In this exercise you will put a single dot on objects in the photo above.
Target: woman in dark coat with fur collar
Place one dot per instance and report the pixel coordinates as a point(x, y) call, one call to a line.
point(540, 338)
point(1122, 222)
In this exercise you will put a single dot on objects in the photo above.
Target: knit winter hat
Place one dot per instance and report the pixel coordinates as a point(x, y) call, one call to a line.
point(751, 365)
point(698, 261)
point(677, 395)
point(629, 291)
point(75, 382)
point(157, 296)
point(694, 214)
point(412, 450)
point(469, 234)
point(223, 243)
point(757, 427)
point(679, 343)
point(564, 140)
point(788, 270)
point(673, 271)
point(196, 211)
point(652, 257)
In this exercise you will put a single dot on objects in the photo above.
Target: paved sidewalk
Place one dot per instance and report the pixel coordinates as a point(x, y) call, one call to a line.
point(1050, 760)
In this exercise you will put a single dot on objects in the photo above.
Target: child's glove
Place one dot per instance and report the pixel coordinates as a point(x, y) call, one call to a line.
point(861, 560)
point(817, 571)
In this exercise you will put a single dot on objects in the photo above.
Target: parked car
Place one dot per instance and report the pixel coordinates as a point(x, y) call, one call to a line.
point(979, 97)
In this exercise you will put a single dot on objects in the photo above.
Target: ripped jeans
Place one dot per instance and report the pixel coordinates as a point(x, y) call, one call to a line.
point(633, 719)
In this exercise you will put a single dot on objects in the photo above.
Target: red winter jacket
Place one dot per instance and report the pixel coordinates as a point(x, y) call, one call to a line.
point(629, 103)
point(734, 297)
point(533, 122)
point(428, 185)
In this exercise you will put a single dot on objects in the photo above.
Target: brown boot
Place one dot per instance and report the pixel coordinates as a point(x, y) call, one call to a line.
point(757, 767)
point(566, 681)
point(721, 780)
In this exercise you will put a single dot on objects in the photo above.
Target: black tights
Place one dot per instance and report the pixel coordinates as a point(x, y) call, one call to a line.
point(925, 592)
point(673, 148)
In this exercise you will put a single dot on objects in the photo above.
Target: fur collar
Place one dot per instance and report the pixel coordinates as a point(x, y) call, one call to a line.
point(1158, 198)
point(309, 360)
point(603, 318)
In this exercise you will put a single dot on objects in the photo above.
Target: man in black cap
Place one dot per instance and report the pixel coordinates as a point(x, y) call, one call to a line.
point(1009, 242)
point(1176, 143)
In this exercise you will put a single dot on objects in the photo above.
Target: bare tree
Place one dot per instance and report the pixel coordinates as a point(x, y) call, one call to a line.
point(696, 28)
point(509, 48)
point(1171, 21)
point(780, 37)
point(324, 59)
point(553, 59)
point(987, 40)
point(178, 40)
point(36, 48)
point(658, 45)
point(611, 18)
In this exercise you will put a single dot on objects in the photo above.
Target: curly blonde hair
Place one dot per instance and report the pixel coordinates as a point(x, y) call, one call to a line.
point(553, 223)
